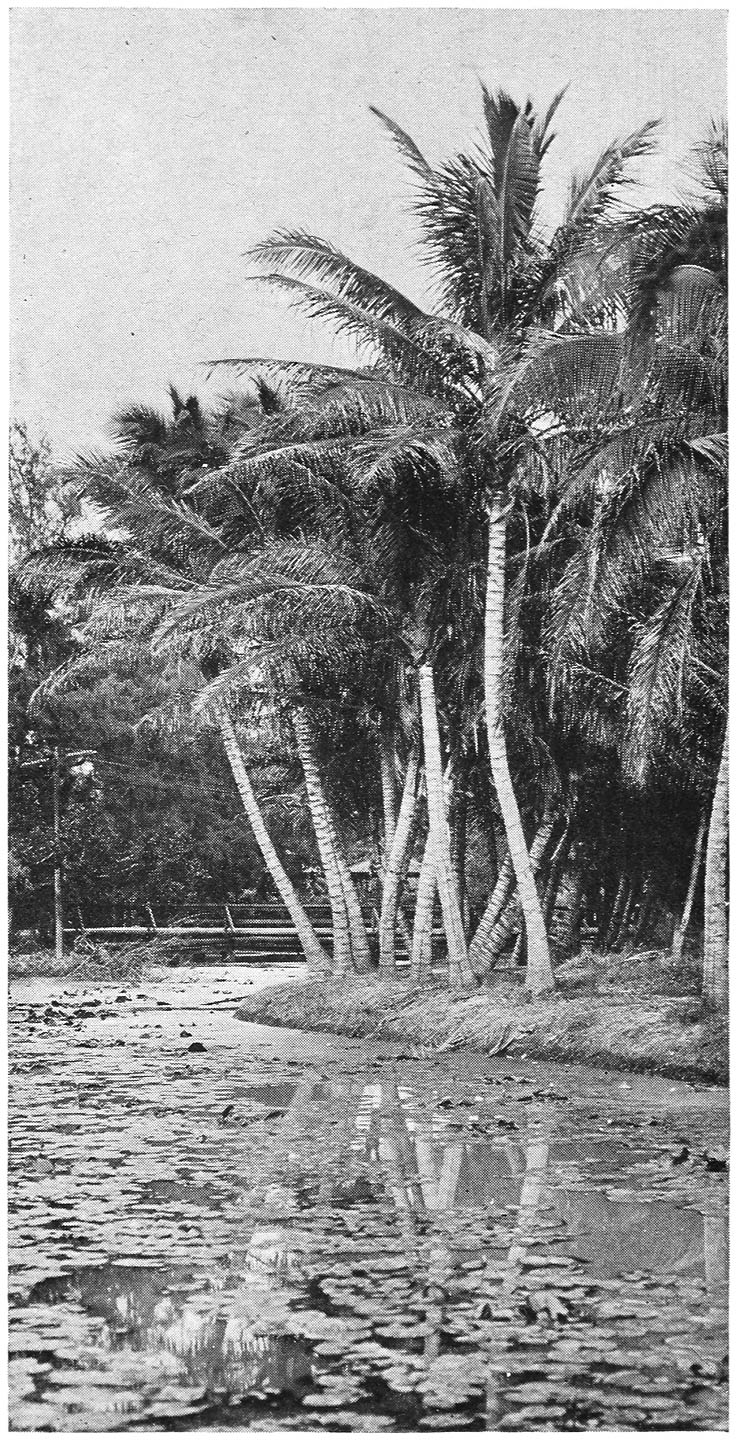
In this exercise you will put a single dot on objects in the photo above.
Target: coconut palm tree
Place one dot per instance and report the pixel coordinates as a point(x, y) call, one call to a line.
point(498, 279)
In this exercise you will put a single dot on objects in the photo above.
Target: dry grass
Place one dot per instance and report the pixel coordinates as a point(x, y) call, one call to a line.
point(623, 1023)
point(124, 962)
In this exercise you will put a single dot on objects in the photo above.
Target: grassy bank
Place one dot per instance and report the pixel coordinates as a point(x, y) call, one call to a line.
point(622, 1022)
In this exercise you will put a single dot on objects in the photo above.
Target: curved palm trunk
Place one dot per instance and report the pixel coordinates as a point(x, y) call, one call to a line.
point(458, 961)
point(509, 918)
point(483, 949)
point(539, 975)
point(715, 961)
point(316, 956)
point(397, 863)
point(342, 955)
point(680, 931)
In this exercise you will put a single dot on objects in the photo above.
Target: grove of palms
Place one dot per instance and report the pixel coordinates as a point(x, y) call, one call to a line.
point(474, 586)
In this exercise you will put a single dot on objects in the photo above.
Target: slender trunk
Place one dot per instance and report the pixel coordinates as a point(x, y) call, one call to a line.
point(342, 954)
point(616, 913)
point(565, 923)
point(483, 949)
point(715, 961)
point(58, 901)
point(645, 912)
point(313, 951)
point(360, 951)
point(397, 863)
point(422, 951)
point(539, 975)
point(626, 917)
point(509, 916)
point(389, 789)
point(559, 861)
point(458, 848)
point(458, 960)
point(680, 932)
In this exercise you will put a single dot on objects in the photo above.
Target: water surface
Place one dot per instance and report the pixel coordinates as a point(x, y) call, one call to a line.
point(285, 1231)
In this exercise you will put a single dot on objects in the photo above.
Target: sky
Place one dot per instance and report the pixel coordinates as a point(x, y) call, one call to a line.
point(150, 148)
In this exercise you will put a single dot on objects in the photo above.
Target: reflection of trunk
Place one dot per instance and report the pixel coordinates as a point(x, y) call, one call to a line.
point(536, 1161)
point(715, 962)
point(350, 944)
point(539, 975)
point(459, 972)
point(397, 863)
point(680, 930)
point(314, 953)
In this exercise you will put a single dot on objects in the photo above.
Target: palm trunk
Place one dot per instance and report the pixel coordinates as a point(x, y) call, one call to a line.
point(715, 961)
point(342, 953)
point(422, 952)
point(360, 952)
point(509, 916)
point(389, 790)
point(458, 961)
point(616, 914)
point(458, 848)
point(313, 951)
point(680, 931)
point(559, 861)
point(565, 924)
point(397, 863)
point(483, 949)
point(539, 975)
point(626, 917)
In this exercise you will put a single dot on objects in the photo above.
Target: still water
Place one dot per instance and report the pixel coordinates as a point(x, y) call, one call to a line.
point(278, 1230)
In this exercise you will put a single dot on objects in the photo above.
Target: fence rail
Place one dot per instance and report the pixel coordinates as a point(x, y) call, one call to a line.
point(245, 934)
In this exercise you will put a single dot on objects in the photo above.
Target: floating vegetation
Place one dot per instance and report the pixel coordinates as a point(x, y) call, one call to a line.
point(280, 1231)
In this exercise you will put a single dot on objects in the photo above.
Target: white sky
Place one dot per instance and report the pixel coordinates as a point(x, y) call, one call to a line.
point(151, 147)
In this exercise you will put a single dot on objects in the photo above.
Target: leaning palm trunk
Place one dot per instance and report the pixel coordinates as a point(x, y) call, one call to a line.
point(539, 975)
point(397, 863)
point(617, 912)
point(715, 961)
point(342, 953)
point(509, 918)
point(459, 971)
point(680, 930)
point(313, 951)
point(483, 950)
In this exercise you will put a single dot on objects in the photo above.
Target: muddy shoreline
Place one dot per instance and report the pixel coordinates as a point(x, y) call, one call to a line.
point(671, 1038)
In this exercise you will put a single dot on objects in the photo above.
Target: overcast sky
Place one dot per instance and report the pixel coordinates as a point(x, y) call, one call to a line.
point(151, 147)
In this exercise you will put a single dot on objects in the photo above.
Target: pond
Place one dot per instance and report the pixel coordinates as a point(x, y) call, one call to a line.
point(217, 1225)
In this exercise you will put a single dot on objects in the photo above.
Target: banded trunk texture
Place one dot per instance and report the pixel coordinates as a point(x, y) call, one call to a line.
point(397, 863)
point(680, 931)
point(458, 961)
point(539, 975)
point(317, 958)
point(343, 959)
point(715, 960)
